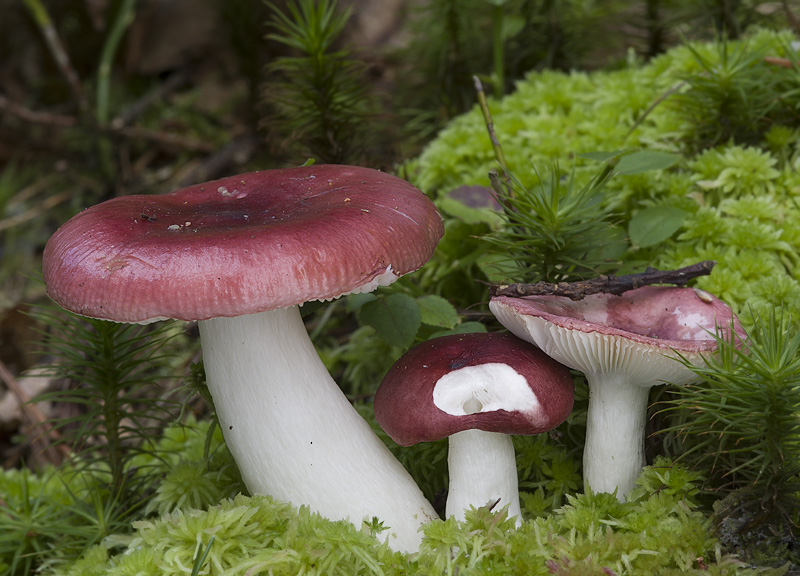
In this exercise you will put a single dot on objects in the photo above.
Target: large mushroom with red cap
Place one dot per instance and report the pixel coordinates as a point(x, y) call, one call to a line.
point(624, 345)
point(240, 255)
point(476, 390)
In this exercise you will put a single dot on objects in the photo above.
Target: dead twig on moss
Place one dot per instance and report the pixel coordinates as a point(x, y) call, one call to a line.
point(607, 284)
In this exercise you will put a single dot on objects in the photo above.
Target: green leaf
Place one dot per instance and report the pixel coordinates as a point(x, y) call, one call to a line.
point(468, 214)
point(395, 318)
point(512, 25)
point(600, 156)
point(655, 224)
point(632, 161)
point(356, 301)
point(437, 311)
point(645, 161)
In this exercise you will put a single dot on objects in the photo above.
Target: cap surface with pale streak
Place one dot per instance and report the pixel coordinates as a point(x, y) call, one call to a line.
point(406, 405)
point(241, 245)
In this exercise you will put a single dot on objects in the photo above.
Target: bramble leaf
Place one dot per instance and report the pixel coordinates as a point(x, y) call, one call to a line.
point(395, 318)
point(437, 311)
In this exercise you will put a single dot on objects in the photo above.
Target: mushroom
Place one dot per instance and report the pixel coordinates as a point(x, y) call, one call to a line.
point(475, 389)
point(624, 345)
point(240, 255)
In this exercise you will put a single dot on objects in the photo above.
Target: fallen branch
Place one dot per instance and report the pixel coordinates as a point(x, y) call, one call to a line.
point(35, 116)
point(41, 208)
point(607, 284)
point(48, 442)
point(163, 139)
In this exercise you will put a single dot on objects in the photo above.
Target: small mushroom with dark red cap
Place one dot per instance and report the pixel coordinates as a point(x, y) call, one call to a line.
point(624, 345)
point(240, 255)
point(476, 389)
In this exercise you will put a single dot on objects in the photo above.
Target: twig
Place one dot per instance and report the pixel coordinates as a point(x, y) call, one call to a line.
point(36, 117)
point(57, 49)
point(130, 114)
point(652, 107)
point(782, 62)
point(28, 192)
point(42, 207)
point(501, 183)
point(487, 116)
point(607, 284)
point(49, 440)
point(164, 139)
point(239, 150)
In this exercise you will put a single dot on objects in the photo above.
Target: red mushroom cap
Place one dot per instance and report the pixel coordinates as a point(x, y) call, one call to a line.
point(241, 245)
point(636, 332)
point(405, 407)
point(663, 316)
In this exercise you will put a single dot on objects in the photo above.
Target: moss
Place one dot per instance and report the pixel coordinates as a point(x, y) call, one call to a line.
point(738, 196)
point(660, 530)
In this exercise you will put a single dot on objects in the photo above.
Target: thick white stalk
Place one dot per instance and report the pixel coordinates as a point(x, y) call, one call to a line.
point(482, 470)
point(613, 455)
point(294, 434)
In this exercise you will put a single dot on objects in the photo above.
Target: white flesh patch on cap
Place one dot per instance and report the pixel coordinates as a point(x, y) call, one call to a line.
point(484, 388)
point(693, 321)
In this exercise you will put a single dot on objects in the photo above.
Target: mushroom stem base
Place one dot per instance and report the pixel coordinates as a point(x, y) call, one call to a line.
point(482, 471)
point(294, 434)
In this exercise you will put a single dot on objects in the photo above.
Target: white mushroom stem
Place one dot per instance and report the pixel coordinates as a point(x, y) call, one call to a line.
point(482, 471)
point(613, 455)
point(293, 433)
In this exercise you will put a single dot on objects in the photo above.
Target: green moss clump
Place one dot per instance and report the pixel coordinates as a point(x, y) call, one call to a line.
point(659, 530)
point(738, 198)
point(245, 536)
point(197, 470)
point(47, 519)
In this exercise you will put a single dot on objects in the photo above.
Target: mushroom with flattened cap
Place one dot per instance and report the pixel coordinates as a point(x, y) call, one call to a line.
point(476, 389)
point(624, 345)
point(240, 255)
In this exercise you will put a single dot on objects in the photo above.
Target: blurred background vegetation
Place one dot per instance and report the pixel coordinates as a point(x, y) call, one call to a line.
point(100, 98)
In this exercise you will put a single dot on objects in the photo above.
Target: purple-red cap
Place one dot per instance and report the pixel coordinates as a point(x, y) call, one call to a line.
point(241, 245)
point(637, 331)
point(511, 386)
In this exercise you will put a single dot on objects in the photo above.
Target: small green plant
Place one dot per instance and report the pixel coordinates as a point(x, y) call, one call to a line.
point(318, 97)
point(555, 231)
point(740, 425)
point(49, 519)
point(732, 95)
point(552, 231)
point(194, 466)
point(111, 371)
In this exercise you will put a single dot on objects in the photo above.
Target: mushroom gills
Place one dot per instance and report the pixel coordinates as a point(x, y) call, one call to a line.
point(484, 388)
